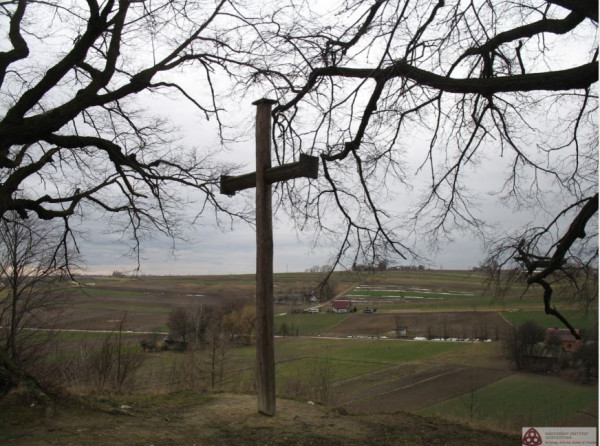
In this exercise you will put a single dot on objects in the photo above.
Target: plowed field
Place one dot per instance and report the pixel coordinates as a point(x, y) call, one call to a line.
point(465, 324)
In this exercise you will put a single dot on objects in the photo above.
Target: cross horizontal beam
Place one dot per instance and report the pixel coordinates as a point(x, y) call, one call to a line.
point(306, 167)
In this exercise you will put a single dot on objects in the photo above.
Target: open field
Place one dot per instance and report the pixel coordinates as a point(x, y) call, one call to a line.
point(520, 400)
point(579, 318)
point(353, 361)
point(465, 325)
point(304, 324)
point(396, 297)
point(149, 299)
point(348, 358)
point(387, 376)
point(417, 390)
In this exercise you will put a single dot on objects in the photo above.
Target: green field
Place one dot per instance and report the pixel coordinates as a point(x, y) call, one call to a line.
point(384, 351)
point(303, 360)
point(339, 370)
point(394, 351)
point(519, 400)
point(307, 324)
point(578, 318)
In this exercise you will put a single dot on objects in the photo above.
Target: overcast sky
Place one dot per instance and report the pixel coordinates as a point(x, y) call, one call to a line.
point(212, 250)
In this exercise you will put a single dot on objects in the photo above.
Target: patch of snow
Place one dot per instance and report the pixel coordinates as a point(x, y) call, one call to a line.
point(420, 297)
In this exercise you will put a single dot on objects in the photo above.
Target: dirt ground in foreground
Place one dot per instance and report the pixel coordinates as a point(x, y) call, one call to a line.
point(224, 419)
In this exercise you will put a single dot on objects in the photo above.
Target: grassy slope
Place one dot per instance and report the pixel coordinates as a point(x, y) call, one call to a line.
point(345, 359)
point(519, 400)
point(188, 418)
point(354, 358)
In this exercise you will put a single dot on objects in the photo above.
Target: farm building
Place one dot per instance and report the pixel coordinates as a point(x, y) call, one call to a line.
point(564, 338)
point(342, 306)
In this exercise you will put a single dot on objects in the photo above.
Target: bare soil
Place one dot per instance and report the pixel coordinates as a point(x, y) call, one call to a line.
point(84, 319)
point(459, 324)
point(147, 302)
point(225, 419)
point(100, 301)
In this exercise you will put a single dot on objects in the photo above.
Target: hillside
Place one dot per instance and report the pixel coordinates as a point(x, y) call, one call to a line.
point(224, 419)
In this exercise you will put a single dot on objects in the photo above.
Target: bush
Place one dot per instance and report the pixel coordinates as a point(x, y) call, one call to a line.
point(111, 366)
point(314, 382)
point(522, 342)
point(586, 358)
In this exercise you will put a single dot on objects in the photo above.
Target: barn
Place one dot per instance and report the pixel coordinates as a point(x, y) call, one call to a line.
point(564, 338)
point(342, 306)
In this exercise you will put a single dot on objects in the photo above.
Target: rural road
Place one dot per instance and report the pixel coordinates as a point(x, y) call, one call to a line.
point(77, 330)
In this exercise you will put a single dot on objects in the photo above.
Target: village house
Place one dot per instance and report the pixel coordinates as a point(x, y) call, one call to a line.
point(342, 306)
point(564, 338)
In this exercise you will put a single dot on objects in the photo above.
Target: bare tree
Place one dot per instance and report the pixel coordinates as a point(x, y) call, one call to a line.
point(180, 324)
point(217, 344)
point(201, 317)
point(328, 288)
point(240, 323)
point(111, 365)
point(32, 273)
point(360, 85)
point(372, 84)
point(547, 257)
point(587, 356)
point(521, 342)
point(71, 130)
point(76, 82)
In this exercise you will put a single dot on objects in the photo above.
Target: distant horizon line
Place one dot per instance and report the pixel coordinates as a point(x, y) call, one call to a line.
point(125, 275)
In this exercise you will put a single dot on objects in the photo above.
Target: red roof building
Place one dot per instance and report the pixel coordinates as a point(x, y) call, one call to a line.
point(342, 306)
point(564, 337)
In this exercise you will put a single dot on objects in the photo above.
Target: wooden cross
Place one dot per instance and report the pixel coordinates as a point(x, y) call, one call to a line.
point(265, 175)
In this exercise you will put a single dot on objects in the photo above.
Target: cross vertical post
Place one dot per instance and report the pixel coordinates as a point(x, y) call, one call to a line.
point(265, 354)
point(306, 167)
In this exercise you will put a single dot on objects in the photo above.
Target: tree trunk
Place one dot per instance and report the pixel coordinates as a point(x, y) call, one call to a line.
point(13, 377)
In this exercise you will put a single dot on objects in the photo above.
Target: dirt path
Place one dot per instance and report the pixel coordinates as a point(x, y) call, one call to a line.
point(79, 330)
